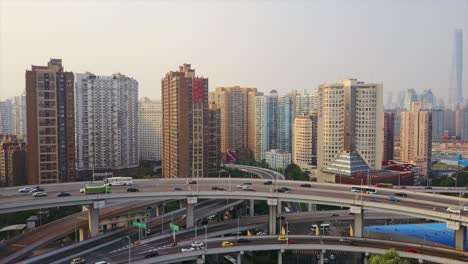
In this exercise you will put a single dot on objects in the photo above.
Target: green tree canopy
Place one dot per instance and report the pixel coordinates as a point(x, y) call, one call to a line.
point(294, 172)
point(390, 257)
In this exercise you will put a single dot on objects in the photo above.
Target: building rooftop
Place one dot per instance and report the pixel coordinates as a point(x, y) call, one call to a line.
point(347, 164)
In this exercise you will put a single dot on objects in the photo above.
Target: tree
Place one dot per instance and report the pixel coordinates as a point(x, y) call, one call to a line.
point(390, 257)
point(294, 172)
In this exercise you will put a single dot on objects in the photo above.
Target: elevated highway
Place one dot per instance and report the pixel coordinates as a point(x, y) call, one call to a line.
point(323, 243)
point(118, 251)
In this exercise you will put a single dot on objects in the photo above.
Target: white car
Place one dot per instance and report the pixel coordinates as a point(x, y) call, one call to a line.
point(242, 186)
point(188, 249)
point(82, 190)
point(197, 244)
point(453, 210)
point(25, 189)
point(465, 209)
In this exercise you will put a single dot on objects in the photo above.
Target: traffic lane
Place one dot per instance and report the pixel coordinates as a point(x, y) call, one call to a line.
point(268, 188)
point(401, 246)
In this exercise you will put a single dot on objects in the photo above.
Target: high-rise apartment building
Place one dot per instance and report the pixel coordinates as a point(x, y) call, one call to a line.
point(416, 137)
point(350, 127)
point(286, 115)
point(12, 161)
point(150, 139)
point(456, 90)
point(106, 122)
point(305, 141)
point(51, 124)
point(214, 138)
point(266, 123)
point(304, 103)
point(237, 119)
point(6, 118)
point(389, 128)
point(185, 124)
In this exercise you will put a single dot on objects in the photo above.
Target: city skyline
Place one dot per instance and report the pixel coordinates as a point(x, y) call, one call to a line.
point(413, 52)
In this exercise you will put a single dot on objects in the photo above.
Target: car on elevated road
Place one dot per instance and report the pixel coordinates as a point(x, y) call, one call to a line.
point(26, 189)
point(268, 183)
point(216, 188)
point(306, 185)
point(453, 210)
point(39, 194)
point(78, 261)
point(132, 189)
point(37, 189)
point(393, 199)
point(63, 194)
point(243, 240)
point(197, 244)
point(227, 244)
point(187, 249)
point(152, 254)
point(412, 250)
point(401, 194)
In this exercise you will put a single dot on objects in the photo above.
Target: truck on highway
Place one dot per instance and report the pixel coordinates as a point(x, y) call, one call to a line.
point(96, 189)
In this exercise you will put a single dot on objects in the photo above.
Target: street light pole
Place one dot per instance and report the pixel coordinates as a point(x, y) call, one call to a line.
point(129, 246)
point(238, 225)
point(196, 229)
point(162, 220)
point(206, 239)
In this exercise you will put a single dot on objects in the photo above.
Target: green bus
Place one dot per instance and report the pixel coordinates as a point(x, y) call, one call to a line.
point(96, 189)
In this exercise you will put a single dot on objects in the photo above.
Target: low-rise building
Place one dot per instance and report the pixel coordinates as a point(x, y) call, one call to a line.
point(277, 158)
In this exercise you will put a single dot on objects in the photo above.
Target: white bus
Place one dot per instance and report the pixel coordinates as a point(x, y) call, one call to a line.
point(115, 181)
point(368, 190)
point(323, 227)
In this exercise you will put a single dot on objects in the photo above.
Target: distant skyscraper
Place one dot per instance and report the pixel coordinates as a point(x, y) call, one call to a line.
point(6, 118)
point(303, 103)
point(400, 103)
point(50, 104)
point(106, 122)
point(272, 120)
point(428, 99)
point(237, 119)
point(389, 128)
point(150, 129)
point(388, 100)
point(350, 127)
point(185, 124)
point(438, 125)
point(305, 141)
point(456, 91)
point(410, 97)
point(462, 123)
point(416, 137)
point(19, 116)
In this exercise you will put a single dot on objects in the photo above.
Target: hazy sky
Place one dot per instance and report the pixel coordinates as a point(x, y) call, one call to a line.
point(279, 45)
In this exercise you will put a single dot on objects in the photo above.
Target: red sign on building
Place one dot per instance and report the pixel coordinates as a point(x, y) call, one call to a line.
point(197, 90)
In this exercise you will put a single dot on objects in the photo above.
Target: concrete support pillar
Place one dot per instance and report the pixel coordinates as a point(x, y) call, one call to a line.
point(158, 210)
point(322, 257)
point(191, 201)
point(280, 257)
point(272, 216)
point(93, 220)
point(460, 238)
point(83, 233)
point(252, 208)
point(318, 230)
point(366, 258)
point(356, 226)
point(239, 257)
point(279, 209)
point(311, 207)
